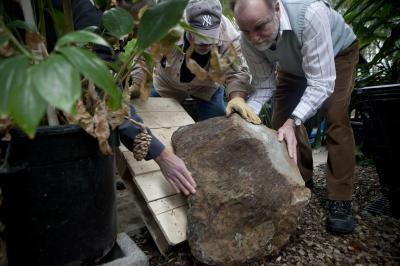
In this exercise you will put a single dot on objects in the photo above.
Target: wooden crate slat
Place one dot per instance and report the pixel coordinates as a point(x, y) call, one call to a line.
point(140, 167)
point(168, 203)
point(161, 208)
point(166, 119)
point(164, 135)
point(173, 224)
point(123, 148)
point(154, 186)
point(157, 104)
point(143, 209)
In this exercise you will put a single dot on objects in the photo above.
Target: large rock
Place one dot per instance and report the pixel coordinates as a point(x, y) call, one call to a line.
point(250, 194)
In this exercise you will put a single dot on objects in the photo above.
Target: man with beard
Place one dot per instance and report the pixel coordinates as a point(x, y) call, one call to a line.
point(311, 45)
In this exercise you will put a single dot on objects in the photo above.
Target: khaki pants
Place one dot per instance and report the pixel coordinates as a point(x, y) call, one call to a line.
point(339, 134)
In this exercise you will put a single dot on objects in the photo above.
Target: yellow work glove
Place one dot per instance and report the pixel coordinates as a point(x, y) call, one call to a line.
point(238, 105)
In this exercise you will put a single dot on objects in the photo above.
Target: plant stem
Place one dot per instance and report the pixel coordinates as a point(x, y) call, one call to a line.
point(124, 66)
point(136, 123)
point(26, 7)
point(69, 22)
point(18, 45)
point(28, 17)
point(52, 116)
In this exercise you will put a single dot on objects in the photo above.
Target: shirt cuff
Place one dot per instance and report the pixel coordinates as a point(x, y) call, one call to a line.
point(303, 111)
point(238, 86)
point(156, 147)
point(128, 132)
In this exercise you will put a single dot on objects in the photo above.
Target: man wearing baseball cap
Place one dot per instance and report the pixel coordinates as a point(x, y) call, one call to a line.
point(172, 78)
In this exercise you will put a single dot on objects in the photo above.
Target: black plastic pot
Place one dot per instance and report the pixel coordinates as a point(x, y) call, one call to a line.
point(59, 200)
point(379, 108)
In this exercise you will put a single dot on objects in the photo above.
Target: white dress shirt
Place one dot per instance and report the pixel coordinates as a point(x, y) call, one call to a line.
point(317, 56)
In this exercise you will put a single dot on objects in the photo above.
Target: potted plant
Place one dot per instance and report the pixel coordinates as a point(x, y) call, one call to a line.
point(57, 179)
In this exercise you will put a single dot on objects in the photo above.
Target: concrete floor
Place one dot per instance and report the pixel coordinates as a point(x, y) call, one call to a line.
point(128, 219)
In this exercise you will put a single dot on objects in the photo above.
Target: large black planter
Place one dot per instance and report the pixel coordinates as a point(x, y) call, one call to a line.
point(379, 109)
point(59, 200)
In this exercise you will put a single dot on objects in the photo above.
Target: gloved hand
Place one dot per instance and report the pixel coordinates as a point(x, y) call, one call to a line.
point(238, 105)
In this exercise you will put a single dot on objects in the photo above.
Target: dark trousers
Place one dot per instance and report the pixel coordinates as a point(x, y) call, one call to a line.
point(339, 134)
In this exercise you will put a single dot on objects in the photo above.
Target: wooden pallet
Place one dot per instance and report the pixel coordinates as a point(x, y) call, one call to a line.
point(161, 208)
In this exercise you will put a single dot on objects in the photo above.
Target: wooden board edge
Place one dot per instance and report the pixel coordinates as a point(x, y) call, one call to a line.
point(144, 212)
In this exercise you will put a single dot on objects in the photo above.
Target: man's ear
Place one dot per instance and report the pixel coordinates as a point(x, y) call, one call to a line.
point(277, 9)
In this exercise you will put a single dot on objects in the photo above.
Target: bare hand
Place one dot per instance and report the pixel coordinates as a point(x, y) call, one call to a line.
point(286, 132)
point(176, 173)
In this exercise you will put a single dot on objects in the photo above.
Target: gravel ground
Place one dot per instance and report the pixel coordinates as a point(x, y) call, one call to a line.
point(375, 241)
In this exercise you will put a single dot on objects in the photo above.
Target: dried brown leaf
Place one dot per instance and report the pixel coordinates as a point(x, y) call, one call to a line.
point(217, 65)
point(102, 130)
point(192, 65)
point(115, 118)
point(167, 51)
point(155, 51)
point(134, 91)
point(233, 58)
point(146, 83)
point(92, 92)
point(6, 49)
point(5, 126)
point(85, 120)
point(33, 39)
point(35, 43)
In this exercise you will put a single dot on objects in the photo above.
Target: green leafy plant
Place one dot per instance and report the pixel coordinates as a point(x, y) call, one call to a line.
point(61, 84)
point(377, 26)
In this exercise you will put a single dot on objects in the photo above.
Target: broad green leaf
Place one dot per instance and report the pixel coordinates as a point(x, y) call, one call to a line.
point(173, 36)
point(158, 20)
point(91, 28)
point(27, 107)
point(11, 77)
point(82, 37)
point(95, 70)
point(128, 50)
point(188, 28)
point(58, 82)
point(117, 21)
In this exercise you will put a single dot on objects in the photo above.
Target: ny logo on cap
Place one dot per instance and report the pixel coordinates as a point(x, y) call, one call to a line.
point(207, 20)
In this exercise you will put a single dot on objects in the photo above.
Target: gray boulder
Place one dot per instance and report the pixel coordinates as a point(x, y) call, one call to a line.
point(250, 194)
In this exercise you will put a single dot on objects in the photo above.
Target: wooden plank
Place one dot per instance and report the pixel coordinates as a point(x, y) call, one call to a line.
point(154, 186)
point(158, 104)
point(173, 224)
point(162, 210)
point(143, 209)
point(165, 119)
point(165, 135)
point(122, 147)
point(167, 204)
point(139, 167)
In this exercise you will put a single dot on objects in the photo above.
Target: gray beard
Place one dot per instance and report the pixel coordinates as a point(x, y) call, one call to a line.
point(264, 46)
point(268, 44)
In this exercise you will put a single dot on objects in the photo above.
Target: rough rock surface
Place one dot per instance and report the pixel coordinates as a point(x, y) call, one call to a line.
point(250, 194)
